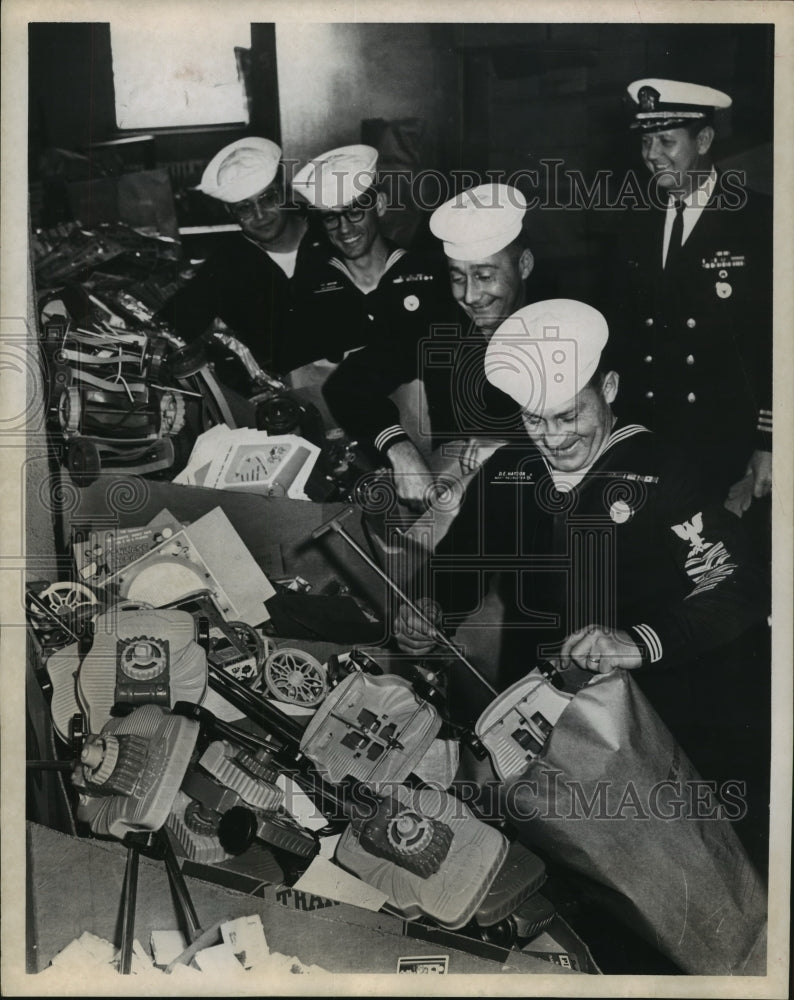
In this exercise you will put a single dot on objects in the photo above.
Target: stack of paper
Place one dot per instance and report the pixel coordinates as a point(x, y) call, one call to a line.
point(250, 460)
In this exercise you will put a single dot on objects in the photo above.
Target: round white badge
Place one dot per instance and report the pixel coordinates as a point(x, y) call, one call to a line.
point(723, 289)
point(411, 303)
point(620, 512)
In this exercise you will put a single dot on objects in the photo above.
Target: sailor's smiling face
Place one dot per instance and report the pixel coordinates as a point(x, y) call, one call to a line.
point(570, 436)
point(491, 289)
point(354, 229)
point(263, 216)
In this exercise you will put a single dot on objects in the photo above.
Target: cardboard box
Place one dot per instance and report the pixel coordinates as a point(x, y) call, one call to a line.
point(76, 884)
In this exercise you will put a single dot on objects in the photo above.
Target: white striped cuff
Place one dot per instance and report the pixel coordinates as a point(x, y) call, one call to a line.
point(765, 420)
point(384, 439)
point(651, 640)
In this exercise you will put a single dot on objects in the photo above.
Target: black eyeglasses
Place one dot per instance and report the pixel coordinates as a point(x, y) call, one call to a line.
point(245, 210)
point(331, 220)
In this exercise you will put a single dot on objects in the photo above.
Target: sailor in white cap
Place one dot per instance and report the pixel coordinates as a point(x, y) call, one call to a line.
point(248, 284)
point(372, 301)
point(481, 232)
point(599, 540)
point(488, 264)
point(693, 314)
point(544, 357)
point(341, 190)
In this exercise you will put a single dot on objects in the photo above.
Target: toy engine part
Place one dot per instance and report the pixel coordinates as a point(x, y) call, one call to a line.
point(112, 764)
point(227, 778)
point(144, 656)
point(452, 893)
point(195, 828)
point(372, 729)
point(400, 834)
point(295, 677)
point(106, 402)
point(514, 728)
point(239, 827)
point(221, 760)
point(152, 764)
point(88, 412)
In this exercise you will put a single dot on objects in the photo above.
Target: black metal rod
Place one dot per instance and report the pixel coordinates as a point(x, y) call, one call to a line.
point(255, 706)
point(128, 902)
point(187, 912)
point(436, 633)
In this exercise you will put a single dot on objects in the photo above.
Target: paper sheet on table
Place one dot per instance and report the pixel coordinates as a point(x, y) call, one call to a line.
point(324, 878)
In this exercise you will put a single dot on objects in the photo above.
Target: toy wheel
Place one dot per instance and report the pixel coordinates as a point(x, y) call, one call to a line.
point(252, 641)
point(69, 410)
point(82, 460)
point(72, 603)
point(295, 677)
point(503, 934)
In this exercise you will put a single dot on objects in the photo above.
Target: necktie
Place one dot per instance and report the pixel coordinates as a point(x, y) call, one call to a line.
point(676, 237)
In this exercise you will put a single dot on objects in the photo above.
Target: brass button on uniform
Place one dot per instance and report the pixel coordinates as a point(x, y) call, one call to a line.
point(649, 321)
point(691, 398)
point(649, 394)
point(690, 323)
point(648, 359)
point(690, 359)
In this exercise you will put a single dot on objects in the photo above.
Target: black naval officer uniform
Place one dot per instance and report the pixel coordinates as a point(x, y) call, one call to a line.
point(693, 343)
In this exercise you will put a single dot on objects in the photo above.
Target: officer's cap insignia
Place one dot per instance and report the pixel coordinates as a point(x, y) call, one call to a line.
point(648, 98)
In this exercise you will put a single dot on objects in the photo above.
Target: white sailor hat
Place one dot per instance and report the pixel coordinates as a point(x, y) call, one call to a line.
point(480, 221)
point(545, 353)
point(334, 179)
point(663, 104)
point(241, 169)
